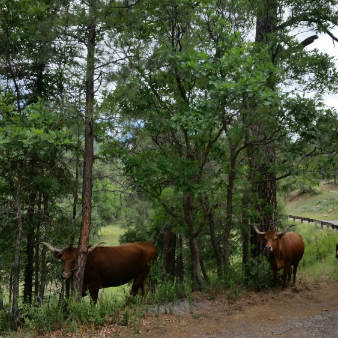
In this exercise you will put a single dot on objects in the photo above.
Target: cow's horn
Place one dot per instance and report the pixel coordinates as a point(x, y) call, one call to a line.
point(94, 247)
point(50, 247)
point(258, 232)
point(288, 228)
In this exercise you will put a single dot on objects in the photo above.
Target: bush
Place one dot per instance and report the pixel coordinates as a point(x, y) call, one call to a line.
point(6, 321)
point(43, 318)
point(260, 275)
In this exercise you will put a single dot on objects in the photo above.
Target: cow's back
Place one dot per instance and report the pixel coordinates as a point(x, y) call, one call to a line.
point(113, 266)
point(292, 247)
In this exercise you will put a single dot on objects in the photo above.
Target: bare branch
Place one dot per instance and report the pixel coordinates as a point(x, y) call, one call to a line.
point(309, 40)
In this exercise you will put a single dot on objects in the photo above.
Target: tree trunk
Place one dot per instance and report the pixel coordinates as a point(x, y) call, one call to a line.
point(229, 206)
point(193, 242)
point(29, 268)
point(43, 272)
point(37, 251)
point(17, 256)
point(88, 154)
point(266, 22)
point(196, 264)
point(245, 232)
point(180, 262)
point(169, 250)
point(204, 271)
point(214, 242)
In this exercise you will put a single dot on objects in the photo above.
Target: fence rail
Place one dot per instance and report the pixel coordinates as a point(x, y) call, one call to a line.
point(322, 224)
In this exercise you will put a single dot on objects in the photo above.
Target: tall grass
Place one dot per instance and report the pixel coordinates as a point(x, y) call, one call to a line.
point(319, 261)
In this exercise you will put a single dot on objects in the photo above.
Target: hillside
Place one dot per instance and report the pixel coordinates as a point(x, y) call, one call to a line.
point(319, 204)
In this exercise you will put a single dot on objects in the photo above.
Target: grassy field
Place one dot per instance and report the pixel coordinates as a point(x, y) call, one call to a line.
point(110, 234)
point(319, 261)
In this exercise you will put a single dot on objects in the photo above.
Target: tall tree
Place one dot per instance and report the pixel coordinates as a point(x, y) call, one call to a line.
point(88, 157)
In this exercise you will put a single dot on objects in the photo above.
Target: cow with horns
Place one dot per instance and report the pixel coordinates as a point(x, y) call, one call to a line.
point(284, 250)
point(109, 266)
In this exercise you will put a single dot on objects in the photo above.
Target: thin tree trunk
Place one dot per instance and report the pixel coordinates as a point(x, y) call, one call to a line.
point(229, 206)
point(180, 262)
point(17, 256)
point(266, 22)
point(30, 226)
point(37, 251)
point(203, 269)
point(48, 225)
point(29, 268)
point(245, 232)
point(193, 242)
point(10, 296)
point(169, 249)
point(214, 242)
point(196, 264)
point(88, 154)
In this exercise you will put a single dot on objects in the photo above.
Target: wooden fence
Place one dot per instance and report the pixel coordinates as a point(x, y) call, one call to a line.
point(322, 224)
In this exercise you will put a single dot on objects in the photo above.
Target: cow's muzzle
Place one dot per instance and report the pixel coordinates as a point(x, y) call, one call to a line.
point(268, 249)
point(66, 275)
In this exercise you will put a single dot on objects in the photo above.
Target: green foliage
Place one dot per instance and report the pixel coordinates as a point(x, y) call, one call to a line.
point(44, 318)
point(71, 316)
point(6, 321)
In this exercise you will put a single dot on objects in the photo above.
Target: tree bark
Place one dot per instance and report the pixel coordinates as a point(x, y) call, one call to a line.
point(48, 225)
point(88, 155)
point(229, 206)
point(169, 250)
point(266, 187)
point(37, 250)
point(17, 256)
point(245, 232)
point(193, 242)
point(214, 242)
point(29, 268)
point(180, 262)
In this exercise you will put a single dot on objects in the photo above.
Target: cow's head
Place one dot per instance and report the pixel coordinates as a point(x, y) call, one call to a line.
point(271, 238)
point(67, 256)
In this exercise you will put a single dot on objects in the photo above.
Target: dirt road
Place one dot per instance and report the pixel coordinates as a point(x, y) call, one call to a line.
point(308, 310)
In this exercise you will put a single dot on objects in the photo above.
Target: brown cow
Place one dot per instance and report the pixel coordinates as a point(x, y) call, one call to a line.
point(110, 266)
point(285, 249)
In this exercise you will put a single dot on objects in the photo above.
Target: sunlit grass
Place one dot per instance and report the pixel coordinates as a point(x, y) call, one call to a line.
point(319, 261)
point(110, 234)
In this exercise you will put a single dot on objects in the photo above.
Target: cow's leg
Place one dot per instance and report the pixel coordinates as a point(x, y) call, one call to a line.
point(94, 293)
point(286, 274)
point(274, 277)
point(84, 290)
point(289, 275)
point(139, 283)
point(144, 277)
point(295, 266)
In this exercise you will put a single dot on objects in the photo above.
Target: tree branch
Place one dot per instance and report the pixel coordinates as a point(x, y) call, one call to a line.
point(309, 40)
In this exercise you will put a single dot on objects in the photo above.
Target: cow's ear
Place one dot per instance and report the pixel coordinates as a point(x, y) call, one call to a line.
point(280, 234)
point(57, 254)
point(261, 236)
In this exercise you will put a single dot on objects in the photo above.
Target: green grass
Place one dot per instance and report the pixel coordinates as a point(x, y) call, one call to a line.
point(319, 261)
point(110, 234)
